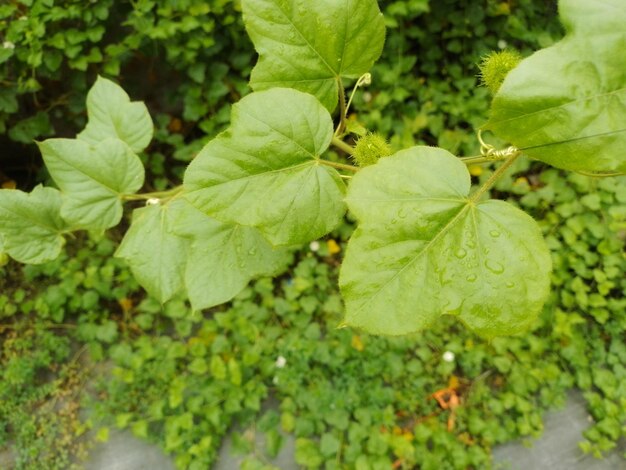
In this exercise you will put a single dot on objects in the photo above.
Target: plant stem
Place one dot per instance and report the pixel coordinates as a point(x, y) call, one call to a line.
point(342, 108)
point(495, 177)
point(600, 175)
point(479, 159)
point(157, 194)
point(339, 166)
point(340, 144)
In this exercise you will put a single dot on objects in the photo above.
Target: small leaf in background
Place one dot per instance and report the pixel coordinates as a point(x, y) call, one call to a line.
point(424, 248)
point(218, 368)
point(310, 46)
point(112, 115)
point(234, 371)
point(308, 454)
point(30, 128)
point(30, 225)
point(566, 105)
point(92, 179)
point(103, 434)
point(275, 140)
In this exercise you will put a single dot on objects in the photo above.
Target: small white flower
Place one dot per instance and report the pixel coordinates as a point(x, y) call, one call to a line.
point(448, 356)
point(367, 97)
point(502, 44)
point(8, 45)
point(281, 362)
point(275, 380)
point(314, 245)
point(153, 201)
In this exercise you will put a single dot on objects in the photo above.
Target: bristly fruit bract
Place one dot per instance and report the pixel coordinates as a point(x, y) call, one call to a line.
point(495, 66)
point(370, 148)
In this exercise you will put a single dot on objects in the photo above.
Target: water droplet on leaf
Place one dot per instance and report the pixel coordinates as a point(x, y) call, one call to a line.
point(494, 266)
point(460, 253)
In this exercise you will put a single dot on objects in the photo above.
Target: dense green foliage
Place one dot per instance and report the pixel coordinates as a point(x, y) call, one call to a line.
point(185, 388)
point(182, 379)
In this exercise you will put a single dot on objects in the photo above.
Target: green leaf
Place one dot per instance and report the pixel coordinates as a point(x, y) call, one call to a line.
point(112, 114)
point(225, 257)
point(423, 248)
point(92, 178)
point(264, 171)
point(30, 224)
point(566, 105)
point(311, 46)
point(156, 256)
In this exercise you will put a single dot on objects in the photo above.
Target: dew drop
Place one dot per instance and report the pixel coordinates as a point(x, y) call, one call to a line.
point(494, 267)
point(510, 285)
point(494, 233)
point(471, 278)
point(460, 253)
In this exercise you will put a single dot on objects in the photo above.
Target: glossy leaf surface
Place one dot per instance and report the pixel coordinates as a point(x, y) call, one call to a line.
point(112, 114)
point(310, 46)
point(30, 226)
point(92, 178)
point(224, 257)
point(424, 248)
point(264, 171)
point(155, 254)
point(566, 105)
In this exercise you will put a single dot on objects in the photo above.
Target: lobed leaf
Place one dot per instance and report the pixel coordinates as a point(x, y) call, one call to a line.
point(31, 229)
point(155, 254)
point(566, 105)
point(264, 171)
point(92, 178)
point(311, 46)
point(225, 257)
point(424, 248)
point(112, 115)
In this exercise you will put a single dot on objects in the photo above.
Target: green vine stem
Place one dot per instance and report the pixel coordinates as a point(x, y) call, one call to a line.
point(600, 175)
point(340, 144)
point(342, 108)
point(339, 166)
point(495, 176)
point(480, 159)
point(170, 193)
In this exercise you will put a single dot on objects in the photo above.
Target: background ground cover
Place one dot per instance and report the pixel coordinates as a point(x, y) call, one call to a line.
point(181, 379)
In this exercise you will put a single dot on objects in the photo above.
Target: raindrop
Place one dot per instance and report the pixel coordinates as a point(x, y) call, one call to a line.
point(471, 277)
point(494, 233)
point(494, 267)
point(510, 285)
point(460, 253)
point(402, 213)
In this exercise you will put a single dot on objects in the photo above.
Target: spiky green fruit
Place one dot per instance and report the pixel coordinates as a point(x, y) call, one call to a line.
point(495, 66)
point(370, 148)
